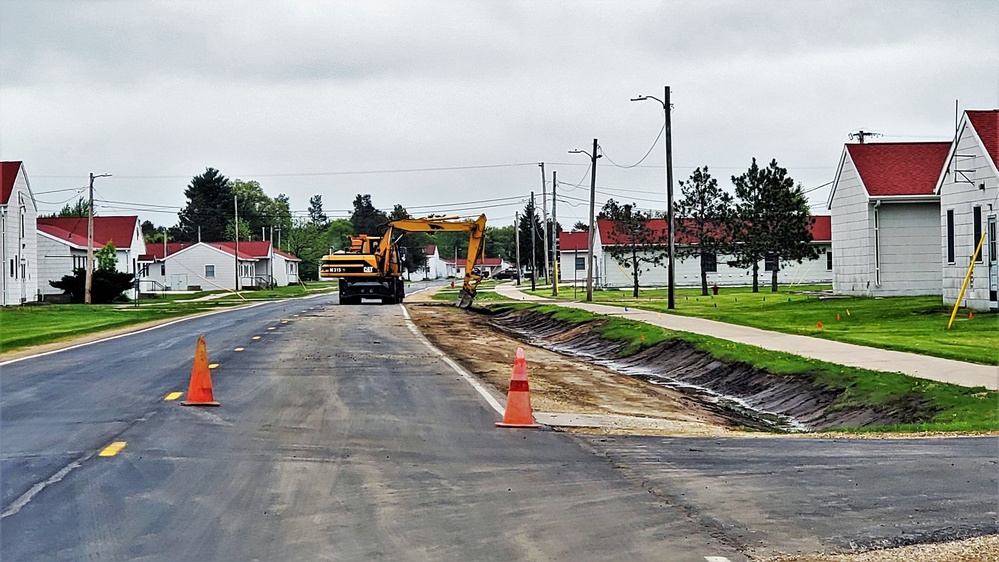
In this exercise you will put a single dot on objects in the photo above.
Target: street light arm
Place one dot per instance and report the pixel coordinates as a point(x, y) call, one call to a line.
point(643, 98)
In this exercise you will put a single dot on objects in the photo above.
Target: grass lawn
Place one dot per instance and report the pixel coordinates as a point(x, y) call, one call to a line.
point(35, 325)
point(913, 324)
point(955, 408)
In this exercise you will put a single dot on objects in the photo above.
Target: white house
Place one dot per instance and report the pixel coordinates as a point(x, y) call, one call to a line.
point(572, 265)
point(968, 187)
point(434, 268)
point(182, 266)
point(19, 283)
point(885, 219)
point(62, 246)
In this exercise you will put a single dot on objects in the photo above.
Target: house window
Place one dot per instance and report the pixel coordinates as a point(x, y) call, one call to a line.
point(950, 236)
point(770, 262)
point(829, 260)
point(580, 263)
point(79, 262)
point(12, 270)
point(977, 217)
point(209, 271)
point(145, 271)
point(162, 270)
point(710, 262)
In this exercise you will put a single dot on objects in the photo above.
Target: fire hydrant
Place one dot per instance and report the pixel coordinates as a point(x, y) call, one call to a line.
point(452, 285)
point(714, 288)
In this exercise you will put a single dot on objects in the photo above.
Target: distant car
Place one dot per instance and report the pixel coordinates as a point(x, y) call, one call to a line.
point(506, 274)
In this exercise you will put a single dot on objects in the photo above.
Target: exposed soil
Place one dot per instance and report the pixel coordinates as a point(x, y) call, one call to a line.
point(559, 383)
point(670, 380)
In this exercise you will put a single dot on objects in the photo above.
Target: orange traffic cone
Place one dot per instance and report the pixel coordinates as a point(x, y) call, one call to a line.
point(200, 391)
point(518, 400)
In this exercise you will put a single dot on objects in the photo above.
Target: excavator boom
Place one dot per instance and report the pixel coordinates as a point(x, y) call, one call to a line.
point(372, 266)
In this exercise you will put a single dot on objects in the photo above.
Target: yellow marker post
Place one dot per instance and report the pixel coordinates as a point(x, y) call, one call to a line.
point(174, 395)
point(967, 278)
point(112, 449)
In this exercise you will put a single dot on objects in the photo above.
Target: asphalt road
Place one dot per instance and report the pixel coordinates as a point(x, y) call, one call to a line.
point(341, 436)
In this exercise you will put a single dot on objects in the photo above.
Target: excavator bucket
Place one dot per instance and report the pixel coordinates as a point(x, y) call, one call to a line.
point(465, 299)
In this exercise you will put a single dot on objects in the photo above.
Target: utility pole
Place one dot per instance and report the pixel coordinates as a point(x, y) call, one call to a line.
point(516, 235)
point(235, 206)
point(670, 293)
point(592, 232)
point(544, 216)
point(271, 260)
point(89, 281)
point(534, 238)
point(555, 255)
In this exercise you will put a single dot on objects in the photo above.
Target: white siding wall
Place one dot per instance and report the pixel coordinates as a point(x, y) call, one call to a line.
point(20, 244)
point(688, 273)
point(852, 233)
point(909, 249)
point(54, 261)
point(190, 264)
point(960, 196)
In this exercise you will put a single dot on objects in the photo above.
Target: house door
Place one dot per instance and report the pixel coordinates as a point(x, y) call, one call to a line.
point(178, 282)
point(990, 242)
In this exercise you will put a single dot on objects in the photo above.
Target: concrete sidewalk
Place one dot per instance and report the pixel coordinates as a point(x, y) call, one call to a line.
point(922, 366)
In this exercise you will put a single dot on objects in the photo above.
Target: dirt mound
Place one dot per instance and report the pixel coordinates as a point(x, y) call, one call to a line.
point(746, 395)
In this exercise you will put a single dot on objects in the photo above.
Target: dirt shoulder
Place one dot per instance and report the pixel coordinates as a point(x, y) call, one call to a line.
point(560, 384)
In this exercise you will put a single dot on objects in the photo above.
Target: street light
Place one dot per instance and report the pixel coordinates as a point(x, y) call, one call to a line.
point(589, 239)
point(670, 298)
point(89, 281)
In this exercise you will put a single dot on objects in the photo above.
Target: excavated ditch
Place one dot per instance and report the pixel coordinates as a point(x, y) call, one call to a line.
point(745, 395)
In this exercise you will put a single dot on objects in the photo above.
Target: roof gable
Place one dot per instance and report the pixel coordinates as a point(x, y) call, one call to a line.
point(8, 175)
point(73, 230)
point(986, 124)
point(899, 169)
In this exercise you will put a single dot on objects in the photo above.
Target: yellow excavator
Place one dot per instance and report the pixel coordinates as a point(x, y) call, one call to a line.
point(372, 266)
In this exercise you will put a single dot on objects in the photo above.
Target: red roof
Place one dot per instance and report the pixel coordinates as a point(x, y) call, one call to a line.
point(74, 230)
point(570, 241)
point(821, 228)
point(431, 249)
point(8, 174)
point(986, 124)
point(899, 168)
point(247, 250)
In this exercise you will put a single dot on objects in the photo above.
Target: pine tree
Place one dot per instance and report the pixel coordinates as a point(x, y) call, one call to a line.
point(704, 211)
point(209, 206)
point(772, 220)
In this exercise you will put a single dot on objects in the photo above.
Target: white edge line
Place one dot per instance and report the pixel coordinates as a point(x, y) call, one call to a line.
point(156, 327)
point(457, 368)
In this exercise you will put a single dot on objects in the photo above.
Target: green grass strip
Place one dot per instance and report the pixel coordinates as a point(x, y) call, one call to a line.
point(948, 407)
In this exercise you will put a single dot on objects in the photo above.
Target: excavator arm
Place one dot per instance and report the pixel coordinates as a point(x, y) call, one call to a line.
point(476, 229)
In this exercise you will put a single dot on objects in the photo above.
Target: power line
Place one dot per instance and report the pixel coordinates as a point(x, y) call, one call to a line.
point(635, 165)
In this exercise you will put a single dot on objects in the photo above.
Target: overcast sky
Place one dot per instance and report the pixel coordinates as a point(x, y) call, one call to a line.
point(449, 106)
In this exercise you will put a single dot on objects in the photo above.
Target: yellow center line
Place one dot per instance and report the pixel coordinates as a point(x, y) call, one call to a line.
point(112, 449)
point(213, 365)
point(256, 337)
point(271, 328)
point(238, 349)
point(174, 395)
